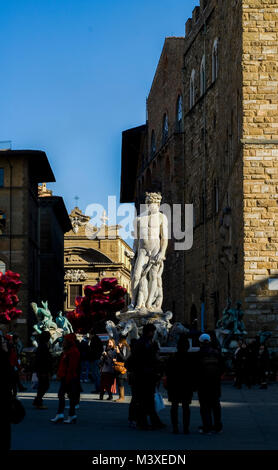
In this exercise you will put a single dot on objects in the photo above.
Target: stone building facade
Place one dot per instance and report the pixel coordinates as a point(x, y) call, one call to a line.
point(19, 236)
point(92, 253)
point(54, 223)
point(211, 140)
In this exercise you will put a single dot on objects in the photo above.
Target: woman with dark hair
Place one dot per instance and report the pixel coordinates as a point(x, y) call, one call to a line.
point(69, 374)
point(123, 352)
point(107, 376)
point(180, 383)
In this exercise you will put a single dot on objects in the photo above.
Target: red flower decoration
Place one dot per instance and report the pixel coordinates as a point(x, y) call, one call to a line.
point(106, 296)
point(9, 286)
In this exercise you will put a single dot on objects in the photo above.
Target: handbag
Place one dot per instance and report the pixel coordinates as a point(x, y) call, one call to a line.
point(158, 402)
point(17, 411)
point(119, 367)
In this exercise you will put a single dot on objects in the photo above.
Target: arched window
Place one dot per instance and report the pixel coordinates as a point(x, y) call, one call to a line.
point(215, 60)
point(203, 76)
point(179, 114)
point(2, 267)
point(153, 145)
point(165, 128)
point(192, 90)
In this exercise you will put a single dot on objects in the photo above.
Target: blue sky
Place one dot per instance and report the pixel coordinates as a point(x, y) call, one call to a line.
point(74, 75)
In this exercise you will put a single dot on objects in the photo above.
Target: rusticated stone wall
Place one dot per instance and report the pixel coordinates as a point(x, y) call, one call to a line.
point(260, 162)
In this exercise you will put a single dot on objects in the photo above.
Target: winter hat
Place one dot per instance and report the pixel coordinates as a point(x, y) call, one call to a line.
point(204, 337)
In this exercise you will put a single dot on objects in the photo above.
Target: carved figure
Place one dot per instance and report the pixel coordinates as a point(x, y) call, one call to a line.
point(176, 331)
point(75, 275)
point(43, 314)
point(226, 319)
point(128, 329)
point(112, 330)
point(63, 323)
point(150, 244)
point(230, 327)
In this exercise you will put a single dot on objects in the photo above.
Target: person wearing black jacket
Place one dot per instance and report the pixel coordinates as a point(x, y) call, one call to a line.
point(146, 369)
point(43, 369)
point(180, 382)
point(95, 352)
point(263, 364)
point(210, 367)
point(242, 365)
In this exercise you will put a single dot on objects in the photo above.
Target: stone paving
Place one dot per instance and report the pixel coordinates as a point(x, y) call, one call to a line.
point(250, 420)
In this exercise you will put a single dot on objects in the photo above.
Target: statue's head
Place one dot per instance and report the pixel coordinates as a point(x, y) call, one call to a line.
point(238, 304)
point(153, 201)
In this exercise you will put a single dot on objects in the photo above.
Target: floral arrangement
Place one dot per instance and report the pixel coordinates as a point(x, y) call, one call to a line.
point(104, 298)
point(9, 287)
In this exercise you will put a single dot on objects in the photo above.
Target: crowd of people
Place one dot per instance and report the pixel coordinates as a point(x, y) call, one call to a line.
point(140, 365)
point(253, 364)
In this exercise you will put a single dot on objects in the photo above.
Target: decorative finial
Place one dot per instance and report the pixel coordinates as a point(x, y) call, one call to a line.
point(104, 218)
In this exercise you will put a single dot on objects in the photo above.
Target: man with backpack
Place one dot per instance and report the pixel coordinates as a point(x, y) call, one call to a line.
point(210, 368)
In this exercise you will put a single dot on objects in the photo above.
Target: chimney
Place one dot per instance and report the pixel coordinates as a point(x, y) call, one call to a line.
point(188, 26)
point(196, 14)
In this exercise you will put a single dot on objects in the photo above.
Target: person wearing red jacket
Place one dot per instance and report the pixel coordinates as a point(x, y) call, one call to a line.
point(69, 374)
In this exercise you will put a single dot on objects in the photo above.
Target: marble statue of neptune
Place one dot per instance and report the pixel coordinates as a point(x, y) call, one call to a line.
point(150, 244)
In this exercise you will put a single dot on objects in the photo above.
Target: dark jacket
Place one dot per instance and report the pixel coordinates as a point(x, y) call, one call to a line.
point(209, 369)
point(180, 377)
point(144, 362)
point(84, 350)
point(5, 400)
point(122, 356)
point(107, 361)
point(43, 360)
point(6, 380)
point(95, 348)
point(263, 362)
point(242, 359)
